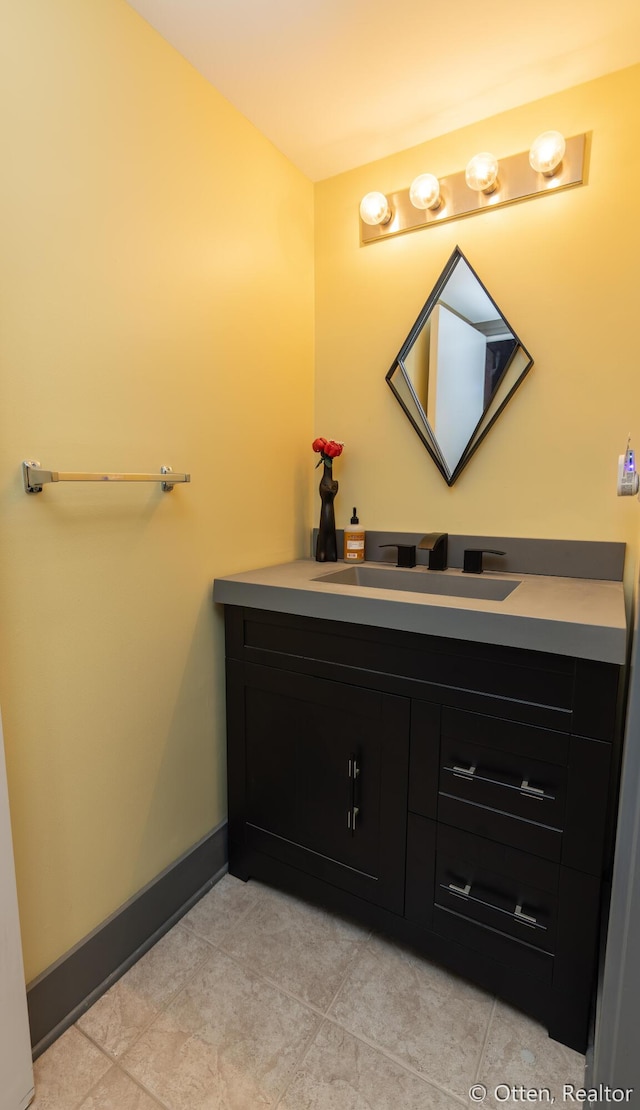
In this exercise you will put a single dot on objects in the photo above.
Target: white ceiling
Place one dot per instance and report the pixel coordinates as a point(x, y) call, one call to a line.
point(337, 83)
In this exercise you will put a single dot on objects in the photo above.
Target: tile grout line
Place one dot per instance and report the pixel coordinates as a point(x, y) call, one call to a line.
point(77, 1105)
point(116, 1061)
point(397, 1060)
point(131, 1078)
point(320, 1014)
point(245, 965)
point(147, 1024)
point(156, 1098)
point(387, 1053)
point(299, 1062)
point(111, 1056)
point(160, 1103)
point(243, 915)
point(485, 1040)
point(353, 962)
point(326, 1016)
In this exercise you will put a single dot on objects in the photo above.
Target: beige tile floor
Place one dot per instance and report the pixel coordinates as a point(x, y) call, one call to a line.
point(258, 1001)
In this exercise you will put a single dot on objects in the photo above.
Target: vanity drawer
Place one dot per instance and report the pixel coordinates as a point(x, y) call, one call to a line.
point(529, 741)
point(500, 779)
point(498, 887)
point(506, 796)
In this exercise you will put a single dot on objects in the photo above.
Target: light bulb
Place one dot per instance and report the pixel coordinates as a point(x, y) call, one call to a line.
point(425, 192)
point(481, 173)
point(547, 152)
point(374, 209)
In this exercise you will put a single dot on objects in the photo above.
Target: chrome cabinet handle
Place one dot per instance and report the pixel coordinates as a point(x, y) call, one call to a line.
point(462, 890)
point(463, 772)
point(526, 918)
point(525, 788)
point(533, 791)
point(354, 810)
point(518, 914)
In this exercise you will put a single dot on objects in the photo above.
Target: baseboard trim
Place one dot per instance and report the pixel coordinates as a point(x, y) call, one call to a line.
point(59, 995)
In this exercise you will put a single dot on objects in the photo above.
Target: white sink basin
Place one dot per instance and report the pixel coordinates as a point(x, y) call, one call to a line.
point(422, 581)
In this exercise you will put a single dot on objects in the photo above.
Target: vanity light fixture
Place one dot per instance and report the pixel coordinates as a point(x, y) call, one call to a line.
point(547, 152)
point(481, 173)
point(424, 192)
point(375, 210)
point(551, 164)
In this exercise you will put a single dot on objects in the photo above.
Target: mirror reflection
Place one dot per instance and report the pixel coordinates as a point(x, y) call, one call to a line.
point(458, 367)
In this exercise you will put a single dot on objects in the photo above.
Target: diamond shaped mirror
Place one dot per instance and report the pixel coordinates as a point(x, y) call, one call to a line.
point(457, 369)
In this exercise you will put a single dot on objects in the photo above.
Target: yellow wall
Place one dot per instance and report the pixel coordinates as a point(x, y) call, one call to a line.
point(565, 270)
point(156, 306)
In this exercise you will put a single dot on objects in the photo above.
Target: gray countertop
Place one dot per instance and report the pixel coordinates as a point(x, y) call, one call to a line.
point(567, 616)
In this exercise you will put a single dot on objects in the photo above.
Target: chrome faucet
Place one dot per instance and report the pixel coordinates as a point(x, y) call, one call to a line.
point(436, 544)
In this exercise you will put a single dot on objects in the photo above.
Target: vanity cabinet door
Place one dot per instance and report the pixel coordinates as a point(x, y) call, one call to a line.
point(320, 779)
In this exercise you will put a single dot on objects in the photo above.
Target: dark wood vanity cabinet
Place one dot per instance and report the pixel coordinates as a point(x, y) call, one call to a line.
point(320, 778)
point(456, 795)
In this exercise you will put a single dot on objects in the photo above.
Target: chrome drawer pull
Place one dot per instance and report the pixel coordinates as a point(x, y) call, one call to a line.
point(464, 772)
point(516, 915)
point(527, 791)
point(533, 791)
point(463, 891)
point(526, 918)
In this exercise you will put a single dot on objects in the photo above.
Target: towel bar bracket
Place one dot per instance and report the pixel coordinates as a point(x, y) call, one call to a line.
point(35, 477)
point(167, 485)
point(31, 483)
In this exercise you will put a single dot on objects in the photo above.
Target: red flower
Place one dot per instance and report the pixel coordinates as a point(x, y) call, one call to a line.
point(328, 449)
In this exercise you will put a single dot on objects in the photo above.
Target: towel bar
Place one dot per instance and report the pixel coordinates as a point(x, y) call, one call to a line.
point(35, 477)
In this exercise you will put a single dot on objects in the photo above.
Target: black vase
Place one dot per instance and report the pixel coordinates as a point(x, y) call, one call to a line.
point(326, 546)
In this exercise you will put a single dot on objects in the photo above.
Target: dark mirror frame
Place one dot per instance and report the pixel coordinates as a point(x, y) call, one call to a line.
point(483, 426)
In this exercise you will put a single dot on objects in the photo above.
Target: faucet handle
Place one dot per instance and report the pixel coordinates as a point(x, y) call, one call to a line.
point(472, 558)
point(406, 553)
point(436, 543)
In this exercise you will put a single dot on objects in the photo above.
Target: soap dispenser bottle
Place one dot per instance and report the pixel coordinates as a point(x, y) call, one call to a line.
point(354, 540)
